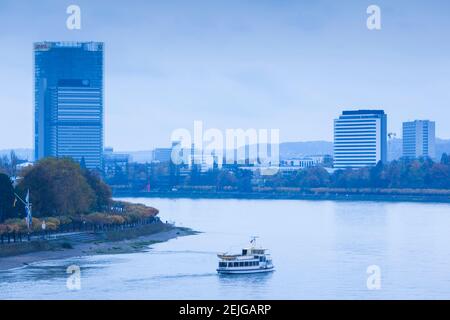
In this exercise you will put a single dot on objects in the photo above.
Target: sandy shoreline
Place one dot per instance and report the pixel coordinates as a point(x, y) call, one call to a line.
point(94, 248)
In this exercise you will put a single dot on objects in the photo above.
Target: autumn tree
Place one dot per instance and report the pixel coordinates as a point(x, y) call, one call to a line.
point(57, 187)
point(6, 198)
point(315, 177)
point(445, 159)
point(102, 192)
point(225, 178)
point(244, 180)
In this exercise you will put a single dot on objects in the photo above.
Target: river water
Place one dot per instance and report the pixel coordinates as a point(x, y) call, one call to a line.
point(321, 250)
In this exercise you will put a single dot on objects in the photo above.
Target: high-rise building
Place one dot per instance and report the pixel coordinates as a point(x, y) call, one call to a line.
point(68, 89)
point(419, 139)
point(360, 138)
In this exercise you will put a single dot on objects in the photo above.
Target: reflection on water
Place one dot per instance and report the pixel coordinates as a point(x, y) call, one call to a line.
point(320, 250)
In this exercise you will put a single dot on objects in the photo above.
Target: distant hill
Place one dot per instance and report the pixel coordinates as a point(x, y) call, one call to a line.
point(287, 150)
point(297, 149)
point(442, 146)
point(395, 148)
point(140, 156)
point(300, 149)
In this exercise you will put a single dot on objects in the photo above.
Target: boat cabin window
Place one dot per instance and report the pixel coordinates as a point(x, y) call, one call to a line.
point(258, 251)
point(241, 264)
point(244, 252)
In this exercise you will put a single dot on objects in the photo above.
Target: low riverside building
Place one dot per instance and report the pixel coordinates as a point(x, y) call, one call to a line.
point(115, 164)
point(306, 162)
point(161, 154)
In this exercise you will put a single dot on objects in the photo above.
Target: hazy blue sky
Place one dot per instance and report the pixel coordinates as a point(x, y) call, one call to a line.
point(291, 65)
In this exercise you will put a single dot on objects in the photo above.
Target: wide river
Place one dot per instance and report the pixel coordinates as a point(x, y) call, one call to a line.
point(321, 250)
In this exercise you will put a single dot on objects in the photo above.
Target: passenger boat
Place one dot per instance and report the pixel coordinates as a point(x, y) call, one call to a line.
point(253, 259)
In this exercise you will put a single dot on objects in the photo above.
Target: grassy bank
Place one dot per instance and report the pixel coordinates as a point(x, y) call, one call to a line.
point(25, 254)
point(19, 248)
point(131, 233)
point(67, 243)
point(120, 216)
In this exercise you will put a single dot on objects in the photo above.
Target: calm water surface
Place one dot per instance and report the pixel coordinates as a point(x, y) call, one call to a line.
point(321, 250)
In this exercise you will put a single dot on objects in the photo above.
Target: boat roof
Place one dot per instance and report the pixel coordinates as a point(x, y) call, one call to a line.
point(235, 257)
point(251, 249)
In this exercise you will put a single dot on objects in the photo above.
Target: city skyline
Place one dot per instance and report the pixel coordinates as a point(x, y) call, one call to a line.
point(178, 64)
point(144, 143)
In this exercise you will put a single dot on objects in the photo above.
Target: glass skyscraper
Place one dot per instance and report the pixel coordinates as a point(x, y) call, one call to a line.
point(68, 82)
point(360, 138)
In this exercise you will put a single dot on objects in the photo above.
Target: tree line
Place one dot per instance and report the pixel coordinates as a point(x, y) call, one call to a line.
point(58, 187)
point(417, 173)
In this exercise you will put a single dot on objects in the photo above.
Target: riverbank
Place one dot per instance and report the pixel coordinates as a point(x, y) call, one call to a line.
point(109, 243)
point(311, 195)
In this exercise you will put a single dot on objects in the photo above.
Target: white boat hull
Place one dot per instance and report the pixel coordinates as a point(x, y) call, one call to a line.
point(245, 271)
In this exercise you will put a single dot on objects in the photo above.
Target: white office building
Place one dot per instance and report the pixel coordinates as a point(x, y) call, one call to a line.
point(360, 139)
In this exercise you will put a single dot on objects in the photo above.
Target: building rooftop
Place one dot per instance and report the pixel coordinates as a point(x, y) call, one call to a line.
point(88, 45)
point(357, 112)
